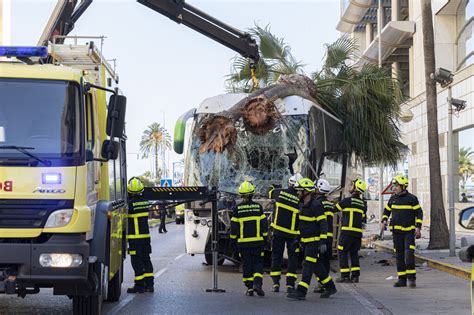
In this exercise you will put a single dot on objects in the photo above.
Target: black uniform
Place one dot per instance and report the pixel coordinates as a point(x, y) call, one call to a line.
point(406, 216)
point(285, 232)
point(249, 227)
point(313, 231)
point(354, 211)
point(138, 238)
point(162, 227)
point(329, 212)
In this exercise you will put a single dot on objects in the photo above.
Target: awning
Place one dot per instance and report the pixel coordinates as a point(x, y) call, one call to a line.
point(354, 13)
point(394, 35)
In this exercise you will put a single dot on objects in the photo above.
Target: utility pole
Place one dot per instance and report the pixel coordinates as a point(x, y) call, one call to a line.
point(452, 227)
point(379, 35)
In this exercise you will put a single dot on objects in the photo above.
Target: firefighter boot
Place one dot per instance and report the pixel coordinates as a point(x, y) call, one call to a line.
point(412, 283)
point(343, 280)
point(258, 289)
point(296, 295)
point(355, 279)
point(290, 289)
point(276, 288)
point(400, 283)
point(318, 289)
point(249, 292)
point(329, 290)
point(136, 289)
point(149, 289)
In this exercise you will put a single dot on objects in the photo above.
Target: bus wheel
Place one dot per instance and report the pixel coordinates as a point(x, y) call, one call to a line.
point(220, 259)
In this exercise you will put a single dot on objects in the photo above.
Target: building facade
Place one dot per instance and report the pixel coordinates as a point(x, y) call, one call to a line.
point(402, 49)
point(5, 22)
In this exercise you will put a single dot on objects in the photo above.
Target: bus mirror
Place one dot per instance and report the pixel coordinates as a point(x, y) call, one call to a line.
point(466, 218)
point(180, 131)
point(116, 116)
point(110, 150)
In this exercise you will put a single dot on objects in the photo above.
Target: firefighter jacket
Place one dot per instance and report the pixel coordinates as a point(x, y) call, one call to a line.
point(354, 211)
point(329, 212)
point(313, 225)
point(285, 217)
point(138, 230)
point(406, 212)
point(249, 225)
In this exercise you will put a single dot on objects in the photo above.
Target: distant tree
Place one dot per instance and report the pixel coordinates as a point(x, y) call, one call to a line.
point(466, 167)
point(155, 140)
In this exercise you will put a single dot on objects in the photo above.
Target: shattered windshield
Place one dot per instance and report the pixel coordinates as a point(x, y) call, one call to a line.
point(262, 159)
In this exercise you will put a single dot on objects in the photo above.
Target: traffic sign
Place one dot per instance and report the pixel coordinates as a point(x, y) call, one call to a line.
point(166, 182)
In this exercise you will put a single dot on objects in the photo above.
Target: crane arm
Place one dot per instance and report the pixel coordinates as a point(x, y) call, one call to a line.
point(184, 13)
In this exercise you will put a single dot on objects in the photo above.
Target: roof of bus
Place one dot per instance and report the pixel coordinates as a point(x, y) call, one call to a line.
point(290, 105)
point(47, 72)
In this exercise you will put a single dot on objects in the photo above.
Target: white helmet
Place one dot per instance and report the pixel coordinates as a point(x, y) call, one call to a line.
point(323, 186)
point(294, 179)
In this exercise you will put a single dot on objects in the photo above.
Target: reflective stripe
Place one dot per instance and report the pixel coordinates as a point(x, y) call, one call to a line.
point(297, 250)
point(340, 247)
point(385, 217)
point(311, 259)
point(277, 227)
point(402, 207)
point(321, 217)
point(338, 207)
point(416, 207)
point(138, 278)
point(305, 218)
point(330, 234)
point(141, 203)
point(138, 236)
point(411, 271)
point(275, 273)
point(323, 236)
point(346, 228)
point(355, 269)
point(304, 284)
point(345, 270)
point(132, 252)
point(234, 219)
point(353, 210)
point(387, 208)
point(135, 226)
point(247, 279)
point(309, 239)
point(412, 247)
point(401, 228)
point(257, 274)
point(262, 254)
point(265, 234)
point(293, 275)
point(326, 280)
point(401, 273)
point(233, 236)
point(249, 239)
point(148, 275)
point(138, 215)
point(329, 213)
point(419, 221)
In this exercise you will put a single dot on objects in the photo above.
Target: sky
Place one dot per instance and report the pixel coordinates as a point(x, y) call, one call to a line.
point(165, 68)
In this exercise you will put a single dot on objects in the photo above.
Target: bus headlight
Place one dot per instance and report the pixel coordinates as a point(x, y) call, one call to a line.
point(60, 260)
point(59, 218)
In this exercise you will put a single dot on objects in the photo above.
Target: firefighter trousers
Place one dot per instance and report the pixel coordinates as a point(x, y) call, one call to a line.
point(348, 247)
point(278, 247)
point(313, 265)
point(327, 256)
point(404, 245)
point(141, 264)
point(252, 265)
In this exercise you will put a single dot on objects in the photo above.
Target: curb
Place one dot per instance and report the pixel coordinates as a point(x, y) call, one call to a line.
point(453, 270)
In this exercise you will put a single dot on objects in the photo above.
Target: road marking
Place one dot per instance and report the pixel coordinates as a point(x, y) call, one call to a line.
point(369, 306)
point(180, 256)
point(130, 297)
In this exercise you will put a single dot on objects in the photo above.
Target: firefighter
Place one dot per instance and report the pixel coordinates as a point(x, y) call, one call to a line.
point(249, 228)
point(322, 189)
point(138, 238)
point(313, 233)
point(285, 232)
point(405, 225)
point(354, 211)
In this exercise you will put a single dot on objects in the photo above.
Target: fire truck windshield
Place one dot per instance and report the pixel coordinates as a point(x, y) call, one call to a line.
point(43, 114)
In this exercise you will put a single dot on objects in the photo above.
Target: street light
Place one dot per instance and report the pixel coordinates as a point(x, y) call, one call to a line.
point(445, 78)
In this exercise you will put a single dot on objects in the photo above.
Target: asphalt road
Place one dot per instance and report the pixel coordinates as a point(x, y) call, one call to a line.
point(181, 281)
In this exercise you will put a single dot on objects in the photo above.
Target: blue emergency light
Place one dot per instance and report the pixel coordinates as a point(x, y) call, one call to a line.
point(24, 51)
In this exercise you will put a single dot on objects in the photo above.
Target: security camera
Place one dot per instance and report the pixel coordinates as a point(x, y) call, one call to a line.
point(459, 104)
point(442, 76)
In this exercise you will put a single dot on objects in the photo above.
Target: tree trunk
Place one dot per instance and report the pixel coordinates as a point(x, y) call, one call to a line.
point(156, 161)
point(439, 235)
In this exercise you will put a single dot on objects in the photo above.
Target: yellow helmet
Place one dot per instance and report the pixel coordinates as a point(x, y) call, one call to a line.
point(401, 180)
point(305, 184)
point(360, 185)
point(246, 188)
point(135, 186)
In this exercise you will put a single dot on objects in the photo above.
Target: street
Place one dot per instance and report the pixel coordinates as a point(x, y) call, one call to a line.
point(181, 281)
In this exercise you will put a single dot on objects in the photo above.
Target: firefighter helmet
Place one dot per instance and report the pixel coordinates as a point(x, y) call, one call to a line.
point(246, 188)
point(360, 185)
point(401, 180)
point(135, 186)
point(323, 186)
point(305, 184)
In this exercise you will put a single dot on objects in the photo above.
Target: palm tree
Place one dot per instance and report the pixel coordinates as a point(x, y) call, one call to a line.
point(276, 60)
point(155, 140)
point(439, 235)
point(466, 168)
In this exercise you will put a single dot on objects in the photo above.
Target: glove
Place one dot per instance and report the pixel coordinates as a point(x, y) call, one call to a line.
point(295, 245)
point(322, 248)
point(418, 233)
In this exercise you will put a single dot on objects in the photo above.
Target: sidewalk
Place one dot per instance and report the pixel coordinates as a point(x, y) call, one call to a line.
point(438, 259)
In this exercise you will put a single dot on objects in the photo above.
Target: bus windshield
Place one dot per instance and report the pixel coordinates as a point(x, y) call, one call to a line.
point(264, 160)
point(40, 114)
